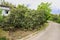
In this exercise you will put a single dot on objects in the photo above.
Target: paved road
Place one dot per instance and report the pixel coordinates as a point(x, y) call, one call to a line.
point(51, 33)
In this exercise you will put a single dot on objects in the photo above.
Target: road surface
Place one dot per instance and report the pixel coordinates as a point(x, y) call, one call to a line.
point(51, 33)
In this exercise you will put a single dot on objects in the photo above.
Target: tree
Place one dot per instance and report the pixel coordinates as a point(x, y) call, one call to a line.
point(27, 19)
point(1, 16)
point(0, 13)
point(45, 9)
point(55, 18)
point(8, 4)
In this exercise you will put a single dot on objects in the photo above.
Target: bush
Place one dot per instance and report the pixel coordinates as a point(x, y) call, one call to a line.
point(24, 18)
point(55, 18)
point(3, 38)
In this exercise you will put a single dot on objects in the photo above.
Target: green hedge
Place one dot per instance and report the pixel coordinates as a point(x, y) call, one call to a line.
point(24, 18)
point(3, 38)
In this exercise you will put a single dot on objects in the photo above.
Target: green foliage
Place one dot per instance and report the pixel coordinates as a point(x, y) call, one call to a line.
point(3, 38)
point(1, 17)
point(55, 18)
point(27, 19)
point(45, 9)
point(8, 4)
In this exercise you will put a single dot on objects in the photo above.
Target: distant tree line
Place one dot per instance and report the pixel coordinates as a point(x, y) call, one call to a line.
point(55, 18)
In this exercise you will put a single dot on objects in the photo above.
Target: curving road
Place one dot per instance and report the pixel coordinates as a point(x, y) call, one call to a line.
point(51, 33)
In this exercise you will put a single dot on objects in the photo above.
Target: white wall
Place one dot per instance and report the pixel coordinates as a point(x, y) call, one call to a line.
point(4, 13)
point(4, 10)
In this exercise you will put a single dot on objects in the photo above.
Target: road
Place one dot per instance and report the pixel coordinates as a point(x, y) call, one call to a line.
point(51, 33)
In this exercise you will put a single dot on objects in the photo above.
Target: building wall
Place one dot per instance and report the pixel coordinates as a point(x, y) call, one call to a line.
point(4, 9)
point(4, 13)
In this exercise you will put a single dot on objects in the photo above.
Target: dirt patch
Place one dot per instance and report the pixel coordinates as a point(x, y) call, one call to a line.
point(19, 34)
point(14, 35)
point(3, 33)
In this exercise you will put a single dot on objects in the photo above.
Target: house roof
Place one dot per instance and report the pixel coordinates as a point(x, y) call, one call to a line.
point(4, 6)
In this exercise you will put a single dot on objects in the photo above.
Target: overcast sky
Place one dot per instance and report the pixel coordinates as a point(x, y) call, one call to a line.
point(34, 3)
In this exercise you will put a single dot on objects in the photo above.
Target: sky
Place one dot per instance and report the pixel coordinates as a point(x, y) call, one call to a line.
point(55, 4)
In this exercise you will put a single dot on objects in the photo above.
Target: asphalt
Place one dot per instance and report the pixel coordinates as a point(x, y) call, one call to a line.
point(50, 33)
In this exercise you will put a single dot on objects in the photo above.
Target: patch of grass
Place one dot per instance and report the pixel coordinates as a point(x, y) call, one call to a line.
point(3, 33)
point(19, 33)
point(3, 38)
point(44, 26)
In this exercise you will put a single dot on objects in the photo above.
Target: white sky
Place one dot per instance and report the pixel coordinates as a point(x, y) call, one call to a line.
point(34, 3)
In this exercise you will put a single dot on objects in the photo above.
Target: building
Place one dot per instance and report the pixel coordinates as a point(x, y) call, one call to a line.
point(5, 9)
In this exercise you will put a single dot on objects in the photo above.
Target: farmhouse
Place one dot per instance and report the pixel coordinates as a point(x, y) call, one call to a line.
point(5, 9)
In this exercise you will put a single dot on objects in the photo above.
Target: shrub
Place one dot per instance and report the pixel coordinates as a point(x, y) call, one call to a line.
point(24, 18)
point(3, 38)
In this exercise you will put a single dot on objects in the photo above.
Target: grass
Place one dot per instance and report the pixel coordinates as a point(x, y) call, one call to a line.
point(19, 33)
point(3, 34)
point(3, 38)
point(44, 26)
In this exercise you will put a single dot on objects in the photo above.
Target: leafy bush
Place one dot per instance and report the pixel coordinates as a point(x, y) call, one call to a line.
point(27, 19)
point(55, 18)
point(3, 38)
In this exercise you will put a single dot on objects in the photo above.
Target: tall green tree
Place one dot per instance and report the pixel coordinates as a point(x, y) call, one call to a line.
point(55, 18)
point(1, 17)
point(27, 19)
point(45, 9)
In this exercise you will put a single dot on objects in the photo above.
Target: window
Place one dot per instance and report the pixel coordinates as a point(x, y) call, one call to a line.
point(6, 11)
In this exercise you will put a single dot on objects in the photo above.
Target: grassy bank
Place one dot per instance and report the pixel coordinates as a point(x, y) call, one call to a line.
point(3, 34)
point(19, 33)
